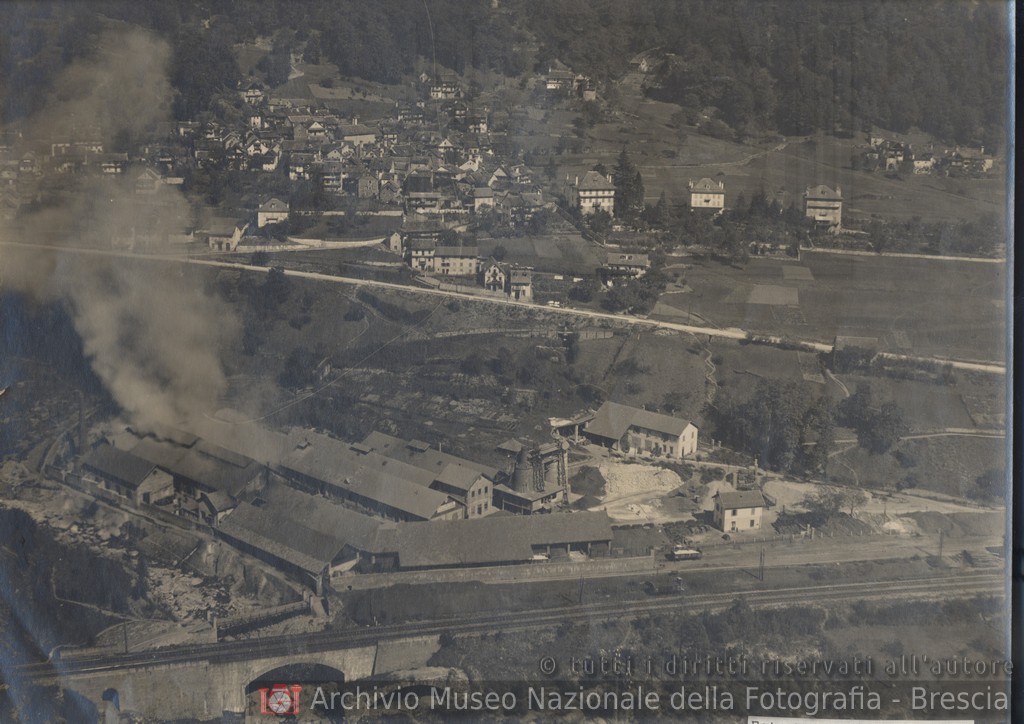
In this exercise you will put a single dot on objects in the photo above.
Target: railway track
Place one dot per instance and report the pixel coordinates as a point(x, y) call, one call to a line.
point(948, 586)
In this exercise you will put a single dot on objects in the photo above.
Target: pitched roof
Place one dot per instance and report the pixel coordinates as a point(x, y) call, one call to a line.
point(458, 477)
point(422, 456)
point(491, 540)
point(593, 181)
point(822, 191)
point(289, 540)
point(127, 469)
point(274, 205)
point(464, 252)
point(706, 185)
point(206, 464)
point(369, 475)
point(305, 530)
point(740, 499)
point(612, 420)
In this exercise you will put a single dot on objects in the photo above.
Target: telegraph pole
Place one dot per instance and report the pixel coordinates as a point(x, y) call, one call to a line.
point(761, 567)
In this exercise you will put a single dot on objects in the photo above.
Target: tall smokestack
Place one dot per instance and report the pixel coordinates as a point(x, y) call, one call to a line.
point(522, 476)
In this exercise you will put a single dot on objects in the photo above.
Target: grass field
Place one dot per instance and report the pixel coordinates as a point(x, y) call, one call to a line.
point(947, 465)
point(642, 368)
point(913, 306)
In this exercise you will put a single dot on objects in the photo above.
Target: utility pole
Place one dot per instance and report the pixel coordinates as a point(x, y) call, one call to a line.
point(761, 567)
point(581, 589)
point(942, 535)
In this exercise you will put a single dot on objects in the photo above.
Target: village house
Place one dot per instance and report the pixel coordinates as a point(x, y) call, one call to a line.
point(445, 88)
point(593, 193)
point(707, 194)
point(738, 510)
point(621, 266)
point(420, 254)
point(824, 205)
point(515, 281)
point(483, 197)
point(272, 211)
point(223, 233)
point(456, 261)
point(631, 429)
point(356, 135)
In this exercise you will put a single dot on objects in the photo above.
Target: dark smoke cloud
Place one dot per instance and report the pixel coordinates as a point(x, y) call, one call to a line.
point(150, 332)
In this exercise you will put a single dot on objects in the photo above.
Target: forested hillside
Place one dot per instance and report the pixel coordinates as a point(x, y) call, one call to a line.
point(799, 66)
point(755, 66)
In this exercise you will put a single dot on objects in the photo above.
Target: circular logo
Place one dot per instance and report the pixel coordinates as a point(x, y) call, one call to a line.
point(279, 702)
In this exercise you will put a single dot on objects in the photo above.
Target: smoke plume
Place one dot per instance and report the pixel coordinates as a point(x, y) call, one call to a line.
point(150, 331)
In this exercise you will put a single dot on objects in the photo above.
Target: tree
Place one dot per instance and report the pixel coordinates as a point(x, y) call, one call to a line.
point(882, 429)
point(629, 188)
point(585, 290)
point(817, 436)
point(825, 502)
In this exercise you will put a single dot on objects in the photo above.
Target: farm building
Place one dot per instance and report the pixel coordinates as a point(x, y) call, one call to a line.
point(738, 510)
point(631, 429)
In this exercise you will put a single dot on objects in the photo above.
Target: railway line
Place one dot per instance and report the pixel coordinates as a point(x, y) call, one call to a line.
point(959, 585)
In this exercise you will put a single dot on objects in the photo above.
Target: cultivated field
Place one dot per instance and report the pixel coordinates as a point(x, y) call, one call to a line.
point(913, 306)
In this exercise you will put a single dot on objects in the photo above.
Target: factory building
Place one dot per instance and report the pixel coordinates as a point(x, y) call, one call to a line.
point(539, 480)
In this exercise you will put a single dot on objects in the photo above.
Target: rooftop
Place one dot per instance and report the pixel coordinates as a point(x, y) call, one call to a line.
point(491, 540)
point(127, 469)
point(740, 499)
point(612, 420)
point(822, 191)
point(425, 458)
point(593, 181)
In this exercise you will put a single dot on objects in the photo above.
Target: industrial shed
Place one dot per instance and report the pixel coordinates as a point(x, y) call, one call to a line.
point(302, 535)
point(496, 540)
point(127, 475)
